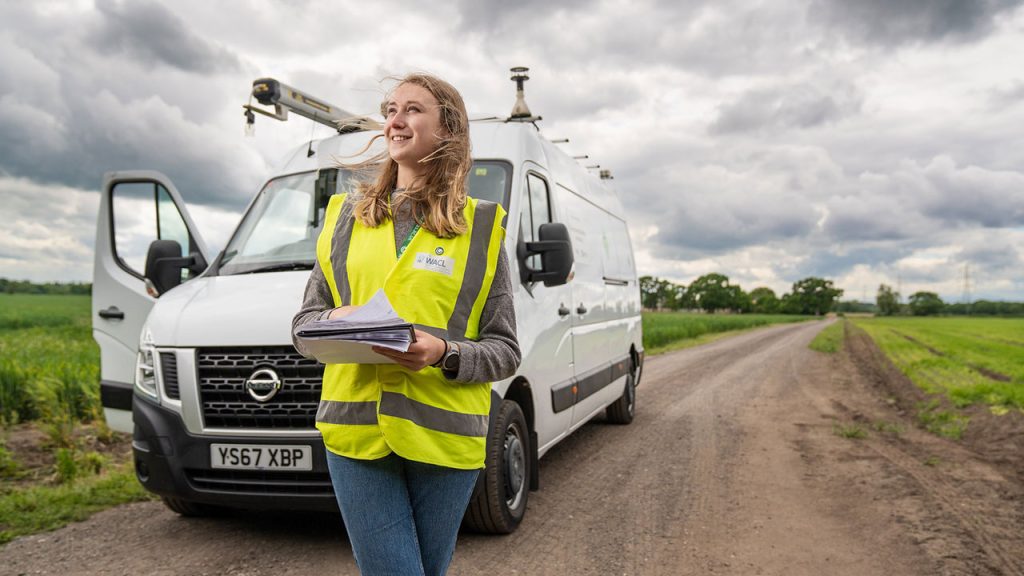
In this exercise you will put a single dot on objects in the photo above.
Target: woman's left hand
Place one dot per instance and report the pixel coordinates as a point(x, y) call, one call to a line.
point(426, 350)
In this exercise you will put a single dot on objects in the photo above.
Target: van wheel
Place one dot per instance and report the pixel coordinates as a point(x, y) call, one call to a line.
point(624, 409)
point(500, 505)
point(186, 508)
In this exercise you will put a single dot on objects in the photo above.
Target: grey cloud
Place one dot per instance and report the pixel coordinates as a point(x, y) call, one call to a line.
point(717, 225)
point(585, 97)
point(896, 22)
point(1007, 96)
point(730, 37)
point(803, 105)
point(966, 196)
point(65, 121)
point(914, 200)
point(152, 34)
point(492, 14)
point(994, 257)
point(831, 262)
point(853, 219)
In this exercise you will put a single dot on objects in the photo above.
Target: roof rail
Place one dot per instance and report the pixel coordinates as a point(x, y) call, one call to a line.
point(270, 92)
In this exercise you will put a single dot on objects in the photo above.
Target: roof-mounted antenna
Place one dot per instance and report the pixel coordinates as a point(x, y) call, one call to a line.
point(520, 111)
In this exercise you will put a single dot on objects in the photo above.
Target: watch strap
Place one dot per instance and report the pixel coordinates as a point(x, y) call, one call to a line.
point(440, 361)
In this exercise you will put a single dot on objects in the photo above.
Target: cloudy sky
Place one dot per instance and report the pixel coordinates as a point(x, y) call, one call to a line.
point(866, 142)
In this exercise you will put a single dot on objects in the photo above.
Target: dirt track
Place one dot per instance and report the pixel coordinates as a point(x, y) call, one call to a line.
point(732, 466)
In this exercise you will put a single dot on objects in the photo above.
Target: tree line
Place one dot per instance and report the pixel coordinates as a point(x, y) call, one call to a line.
point(889, 303)
point(27, 287)
point(714, 292)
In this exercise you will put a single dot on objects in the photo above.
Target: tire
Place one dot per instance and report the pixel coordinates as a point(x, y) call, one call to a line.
point(623, 410)
point(499, 503)
point(187, 508)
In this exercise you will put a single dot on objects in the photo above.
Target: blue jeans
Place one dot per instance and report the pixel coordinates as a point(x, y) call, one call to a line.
point(402, 516)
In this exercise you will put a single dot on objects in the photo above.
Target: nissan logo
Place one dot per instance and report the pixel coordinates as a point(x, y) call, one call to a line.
point(263, 384)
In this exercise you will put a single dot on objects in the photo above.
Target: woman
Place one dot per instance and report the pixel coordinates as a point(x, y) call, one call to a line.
point(405, 441)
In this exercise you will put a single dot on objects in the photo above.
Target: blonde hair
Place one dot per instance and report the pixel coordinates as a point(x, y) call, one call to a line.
point(439, 195)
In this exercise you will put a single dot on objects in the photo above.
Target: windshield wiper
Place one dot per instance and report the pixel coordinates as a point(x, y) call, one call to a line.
point(279, 267)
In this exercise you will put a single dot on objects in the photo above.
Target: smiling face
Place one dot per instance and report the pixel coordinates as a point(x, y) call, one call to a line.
point(413, 129)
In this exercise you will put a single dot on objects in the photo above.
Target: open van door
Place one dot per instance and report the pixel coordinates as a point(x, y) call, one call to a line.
point(136, 209)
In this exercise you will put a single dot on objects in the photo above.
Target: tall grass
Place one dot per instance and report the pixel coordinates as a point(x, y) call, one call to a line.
point(49, 363)
point(49, 375)
point(663, 329)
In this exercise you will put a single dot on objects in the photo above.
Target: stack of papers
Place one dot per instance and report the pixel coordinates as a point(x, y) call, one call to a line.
point(348, 340)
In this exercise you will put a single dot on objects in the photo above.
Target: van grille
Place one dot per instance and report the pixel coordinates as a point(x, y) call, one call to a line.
point(261, 482)
point(226, 404)
point(169, 371)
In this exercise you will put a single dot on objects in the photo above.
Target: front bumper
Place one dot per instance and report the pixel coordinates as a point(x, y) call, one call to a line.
point(169, 461)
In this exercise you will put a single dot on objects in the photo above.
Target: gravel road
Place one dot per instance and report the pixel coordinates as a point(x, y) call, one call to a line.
point(732, 466)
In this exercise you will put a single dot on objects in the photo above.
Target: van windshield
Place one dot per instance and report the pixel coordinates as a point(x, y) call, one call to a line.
point(279, 231)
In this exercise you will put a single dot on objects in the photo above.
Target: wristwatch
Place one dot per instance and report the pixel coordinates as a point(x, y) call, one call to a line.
point(449, 361)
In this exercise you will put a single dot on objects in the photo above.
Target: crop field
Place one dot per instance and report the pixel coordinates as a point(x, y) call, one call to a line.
point(970, 360)
point(49, 363)
point(668, 329)
point(58, 460)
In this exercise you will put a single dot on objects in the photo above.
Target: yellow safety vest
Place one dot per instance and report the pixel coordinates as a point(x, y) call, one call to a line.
point(440, 285)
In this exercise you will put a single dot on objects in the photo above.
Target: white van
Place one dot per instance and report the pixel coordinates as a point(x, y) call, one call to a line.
point(196, 350)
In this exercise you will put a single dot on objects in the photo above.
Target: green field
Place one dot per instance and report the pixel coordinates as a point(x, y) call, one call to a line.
point(49, 381)
point(970, 360)
point(666, 330)
point(49, 363)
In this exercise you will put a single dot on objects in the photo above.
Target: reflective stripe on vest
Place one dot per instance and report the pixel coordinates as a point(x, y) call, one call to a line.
point(397, 405)
point(438, 284)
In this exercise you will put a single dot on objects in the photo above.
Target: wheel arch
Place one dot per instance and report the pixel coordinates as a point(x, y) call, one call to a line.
point(521, 392)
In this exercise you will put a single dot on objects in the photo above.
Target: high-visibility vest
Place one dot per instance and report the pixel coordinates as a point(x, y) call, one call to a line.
point(440, 285)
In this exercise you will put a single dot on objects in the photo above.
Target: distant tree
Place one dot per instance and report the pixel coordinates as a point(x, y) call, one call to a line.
point(675, 296)
point(926, 304)
point(712, 292)
point(887, 300)
point(687, 300)
point(814, 295)
point(740, 300)
point(649, 292)
point(764, 301)
point(855, 306)
point(26, 287)
point(991, 308)
point(656, 294)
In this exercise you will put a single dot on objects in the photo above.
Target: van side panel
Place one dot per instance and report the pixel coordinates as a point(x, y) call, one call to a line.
point(595, 349)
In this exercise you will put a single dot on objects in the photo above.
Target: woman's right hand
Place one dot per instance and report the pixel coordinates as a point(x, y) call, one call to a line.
point(341, 312)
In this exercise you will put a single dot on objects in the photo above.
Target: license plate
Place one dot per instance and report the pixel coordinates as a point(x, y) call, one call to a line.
point(261, 457)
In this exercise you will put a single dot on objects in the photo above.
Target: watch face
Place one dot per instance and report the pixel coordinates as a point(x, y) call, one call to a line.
point(451, 361)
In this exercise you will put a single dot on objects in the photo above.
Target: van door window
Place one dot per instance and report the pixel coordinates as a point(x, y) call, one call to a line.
point(536, 211)
point(144, 212)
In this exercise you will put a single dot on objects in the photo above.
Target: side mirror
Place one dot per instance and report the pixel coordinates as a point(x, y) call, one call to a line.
point(555, 249)
point(164, 263)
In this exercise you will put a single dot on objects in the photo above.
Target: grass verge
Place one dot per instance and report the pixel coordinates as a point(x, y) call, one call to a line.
point(40, 508)
point(830, 339)
point(936, 420)
point(667, 331)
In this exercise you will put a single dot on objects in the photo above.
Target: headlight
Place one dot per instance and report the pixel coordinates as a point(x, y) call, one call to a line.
point(145, 366)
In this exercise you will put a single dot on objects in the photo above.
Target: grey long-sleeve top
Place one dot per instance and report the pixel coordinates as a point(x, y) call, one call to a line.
point(494, 356)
